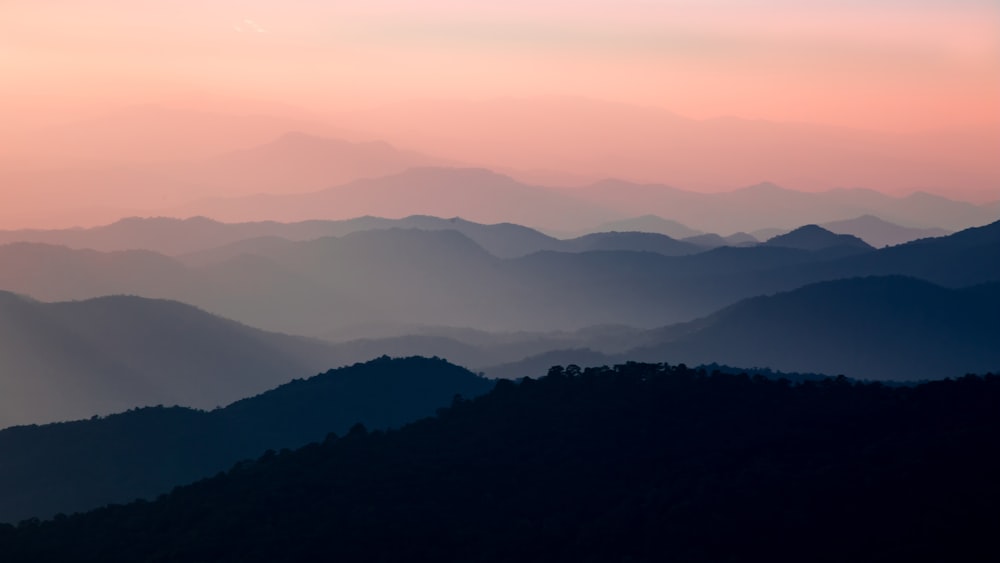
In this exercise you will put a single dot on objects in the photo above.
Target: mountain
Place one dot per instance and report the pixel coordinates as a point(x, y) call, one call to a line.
point(199, 234)
point(167, 133)
point(878, 232)
point(814, 237)
point(649, 224)
point(876, 327)
point(198, 238)
point(629, 241)
point(957, 260)
point(297, 162)
point(652, 145)
point(476, 194)
point(767, 205)
point(712, 240)
point(75, 359)
point(641, 462)
point(84, 464)
point(443, 278)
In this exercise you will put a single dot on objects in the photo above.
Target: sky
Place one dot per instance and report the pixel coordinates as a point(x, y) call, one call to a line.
point(929, 68)
point(887, 65)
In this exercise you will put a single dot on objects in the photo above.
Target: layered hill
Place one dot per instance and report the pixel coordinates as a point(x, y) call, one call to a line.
point(72, 360)
point(442, 277)
point(876, 327)
point(202, 235)
point(641, 462)
point(879, 232)
point(85, 464)
point(814, 237)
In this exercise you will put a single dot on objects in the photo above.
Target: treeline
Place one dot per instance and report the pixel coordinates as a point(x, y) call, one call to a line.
point(640, 462)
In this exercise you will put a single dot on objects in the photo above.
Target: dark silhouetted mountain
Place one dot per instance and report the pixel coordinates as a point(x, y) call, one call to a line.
point(642, 462)
point(957, 260)
point(813, 237)
point(79, 465)
point(878, 232)
point(876, 327)
point(539, 364)
point(476, 194)
point(74, 359)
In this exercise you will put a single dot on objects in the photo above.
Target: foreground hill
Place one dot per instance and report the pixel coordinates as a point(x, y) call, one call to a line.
point(79, 465)
point(639, 463)
point(68, 360)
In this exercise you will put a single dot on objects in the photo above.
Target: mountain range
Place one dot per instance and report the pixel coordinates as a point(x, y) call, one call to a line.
point(406, 277)
point(71, 360)
point(144, 452)
point(485, 196)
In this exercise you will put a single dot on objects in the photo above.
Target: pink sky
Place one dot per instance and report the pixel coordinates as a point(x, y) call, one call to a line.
point(896, 65)
point(890, 66)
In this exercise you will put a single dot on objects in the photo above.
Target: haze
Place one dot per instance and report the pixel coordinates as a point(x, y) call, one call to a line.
point(714, 96)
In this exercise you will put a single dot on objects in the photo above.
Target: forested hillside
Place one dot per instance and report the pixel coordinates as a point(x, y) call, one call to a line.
point(643, 462)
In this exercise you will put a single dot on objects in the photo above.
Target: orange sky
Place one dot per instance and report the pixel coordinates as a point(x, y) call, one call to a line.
point(896, 65)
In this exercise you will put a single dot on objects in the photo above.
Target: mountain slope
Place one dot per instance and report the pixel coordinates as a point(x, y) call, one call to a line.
point(443, 278)
point(639, 463)
point(878, 232)
point(84, 464)
point(473, 193)
point(877, 327)
point(814, 237)
point(75, 359)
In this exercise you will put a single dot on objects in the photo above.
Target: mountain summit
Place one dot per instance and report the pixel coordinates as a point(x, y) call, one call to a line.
point(814, 237)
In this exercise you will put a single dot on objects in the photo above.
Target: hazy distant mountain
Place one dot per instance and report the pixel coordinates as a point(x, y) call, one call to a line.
point(876, 327)
point(197, 234)
point(443, 278)
point(160, 133)
point(144, 452)
point(878, 232)
point(645, 144)
point(770, 206)
point(74, 359)
point(649, 224)
point(712, 240)
point(200, 239)
point(473, 193)
point(630, 241)
point(299, 162)
point(813, 237)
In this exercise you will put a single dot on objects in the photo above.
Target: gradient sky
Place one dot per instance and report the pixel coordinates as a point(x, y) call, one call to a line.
point(898, 65)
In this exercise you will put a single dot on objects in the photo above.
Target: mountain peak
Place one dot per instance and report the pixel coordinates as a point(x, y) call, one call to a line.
point(814, 237)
